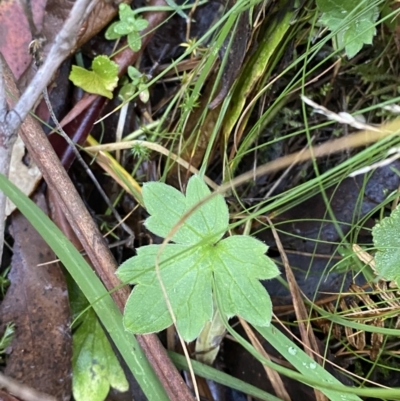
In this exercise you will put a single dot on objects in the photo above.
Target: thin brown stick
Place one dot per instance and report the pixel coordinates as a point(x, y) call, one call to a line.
point(273, 375)
point(7, 140)
point(21, 391)
point(300, 309)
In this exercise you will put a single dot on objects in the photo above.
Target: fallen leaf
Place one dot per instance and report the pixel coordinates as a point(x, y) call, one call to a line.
point(15, 33)
point(23, 171)
point(24, 175)
point(37, 302)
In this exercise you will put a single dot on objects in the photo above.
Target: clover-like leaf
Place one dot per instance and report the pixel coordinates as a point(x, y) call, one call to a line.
point(129, 24)
point(102, 80)
point(111, 33)
point(134, 41)
point(354, 32)
point(196, 266)
point(122, 28)
point(386, 235)
point(134, 74)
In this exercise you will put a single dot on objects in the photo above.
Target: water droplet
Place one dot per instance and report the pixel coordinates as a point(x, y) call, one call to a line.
point(313, 365)
point(292, 351)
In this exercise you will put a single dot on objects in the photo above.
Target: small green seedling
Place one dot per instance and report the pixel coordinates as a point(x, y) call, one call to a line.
point(6, 339)
point(352, 31)
point(386, 235)
point(129, 25)
point(138, 84)
point(4, 282)
point(102, 80)
point(198, 266)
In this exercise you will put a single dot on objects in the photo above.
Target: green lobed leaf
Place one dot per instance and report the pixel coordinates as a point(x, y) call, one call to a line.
point(352, 32)
point(194, 267)
point(186, 276)
point(95, 366)
point(144, 94)
point(134, 73)
point(386, 236)
point(102, 80)
point(166, 206)
point(239, 263)
point(141, 23)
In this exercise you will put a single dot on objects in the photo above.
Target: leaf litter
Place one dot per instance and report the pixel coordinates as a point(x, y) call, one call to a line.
point(37, 303)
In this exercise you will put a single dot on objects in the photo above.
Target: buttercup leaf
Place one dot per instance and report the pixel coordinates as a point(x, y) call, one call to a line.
point(166, 206)
point(239, 263)
point(182, 268)
point(197, 266)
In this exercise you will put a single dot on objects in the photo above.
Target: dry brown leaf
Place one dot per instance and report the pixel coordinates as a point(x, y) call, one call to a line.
point(23, 171)
point(37, 303)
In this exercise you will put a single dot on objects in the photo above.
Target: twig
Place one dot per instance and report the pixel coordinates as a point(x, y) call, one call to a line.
point(7, 140)
point(273, 376)
point(307, 335)
point(21, 391)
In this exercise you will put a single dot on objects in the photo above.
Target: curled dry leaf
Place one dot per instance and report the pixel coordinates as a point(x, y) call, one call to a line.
point(23, 171)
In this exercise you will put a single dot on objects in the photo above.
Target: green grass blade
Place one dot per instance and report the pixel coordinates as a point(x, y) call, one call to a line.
point(220, 377)
point(304, 364)
point(93, 289)
point(311, 373)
